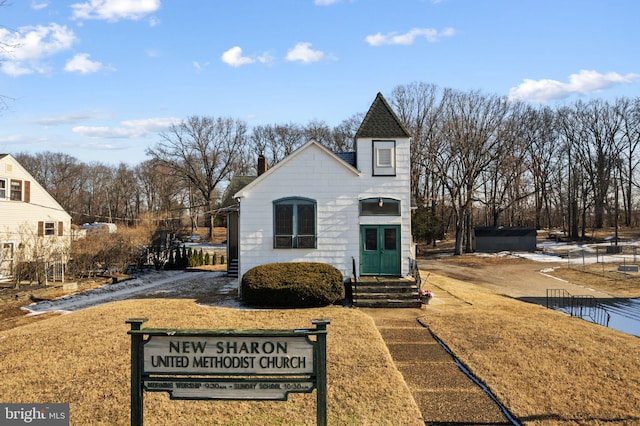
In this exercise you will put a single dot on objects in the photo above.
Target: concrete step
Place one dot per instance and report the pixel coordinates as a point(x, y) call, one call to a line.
point(383, 292)
point(387, 303)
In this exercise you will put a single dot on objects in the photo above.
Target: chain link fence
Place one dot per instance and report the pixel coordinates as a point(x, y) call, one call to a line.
point(613, 262)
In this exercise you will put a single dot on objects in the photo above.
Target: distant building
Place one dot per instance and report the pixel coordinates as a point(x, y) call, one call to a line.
point(496, 239)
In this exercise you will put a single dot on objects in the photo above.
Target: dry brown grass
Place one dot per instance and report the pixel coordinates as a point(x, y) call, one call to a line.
point(83, 358)
point(546, 367)
point(604, 277)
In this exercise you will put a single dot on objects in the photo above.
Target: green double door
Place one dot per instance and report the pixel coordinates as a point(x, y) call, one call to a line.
point(380, 250)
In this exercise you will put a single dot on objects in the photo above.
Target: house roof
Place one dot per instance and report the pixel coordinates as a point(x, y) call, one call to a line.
point(291, 157)
point(34, 181)
point(381, 122)
point(235, 185)
point(348, 157)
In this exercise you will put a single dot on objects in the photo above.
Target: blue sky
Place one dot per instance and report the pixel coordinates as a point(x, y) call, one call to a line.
point(100, 79)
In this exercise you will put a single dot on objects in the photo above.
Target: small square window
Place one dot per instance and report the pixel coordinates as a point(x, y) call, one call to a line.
point(384, 158)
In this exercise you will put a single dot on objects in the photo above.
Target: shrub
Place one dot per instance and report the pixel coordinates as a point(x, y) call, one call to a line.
point(292, 285)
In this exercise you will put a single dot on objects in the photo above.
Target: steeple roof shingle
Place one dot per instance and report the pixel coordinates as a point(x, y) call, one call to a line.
point(381, 122)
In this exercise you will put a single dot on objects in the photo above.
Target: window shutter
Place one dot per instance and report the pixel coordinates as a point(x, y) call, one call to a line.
point(60, 229)
point(40, 229)
point(27, 192)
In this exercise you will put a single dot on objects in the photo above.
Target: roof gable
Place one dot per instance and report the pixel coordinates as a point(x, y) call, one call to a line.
point(292, 157)
point(381, 122)
point(35, 185)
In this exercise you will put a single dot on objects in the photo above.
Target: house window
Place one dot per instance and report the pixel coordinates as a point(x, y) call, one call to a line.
point(379, 207)
point(294, 223)
point(384, 158)
point(16, 190)
point(3, 189)
point(49, 228)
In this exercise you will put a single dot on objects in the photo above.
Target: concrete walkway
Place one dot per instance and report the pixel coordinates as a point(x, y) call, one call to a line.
point(445, 395)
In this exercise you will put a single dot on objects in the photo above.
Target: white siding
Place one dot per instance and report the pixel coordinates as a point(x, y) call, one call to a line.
point(315, 175)
point(19, 219)
point(397, 187)
point(312, 172)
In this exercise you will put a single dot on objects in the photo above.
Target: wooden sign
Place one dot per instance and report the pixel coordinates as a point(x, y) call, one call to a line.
point(228, 364)
point(228, 355)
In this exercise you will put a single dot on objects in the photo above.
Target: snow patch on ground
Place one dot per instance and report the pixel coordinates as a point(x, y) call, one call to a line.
point(151, 283)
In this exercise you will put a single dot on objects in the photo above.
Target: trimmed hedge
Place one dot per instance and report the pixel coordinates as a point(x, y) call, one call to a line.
point(292, 285)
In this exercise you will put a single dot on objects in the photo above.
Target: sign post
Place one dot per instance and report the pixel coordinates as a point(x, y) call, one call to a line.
point(228, 364)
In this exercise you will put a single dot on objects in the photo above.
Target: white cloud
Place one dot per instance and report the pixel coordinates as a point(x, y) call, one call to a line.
point(28, 46)
point(199, 66)
point(431, 34)
point(130, 129)
point(69, 118)
point(302, 52)
point(152, 125)
point(82, 64)
point(265, 58)
point(115, 10)
point(234, 58)
point(325, 2)
point(39, 5)
point(584, 82)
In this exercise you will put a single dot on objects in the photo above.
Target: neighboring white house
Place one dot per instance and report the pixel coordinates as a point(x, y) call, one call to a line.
point(33, 226)
point(350, 210)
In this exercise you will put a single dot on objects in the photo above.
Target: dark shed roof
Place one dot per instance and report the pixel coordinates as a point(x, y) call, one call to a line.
point(381, 122)
point(504, 231)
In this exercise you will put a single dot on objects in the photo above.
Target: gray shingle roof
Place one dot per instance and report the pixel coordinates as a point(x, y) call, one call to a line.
point(347, 157)
point(236, 184)
point(381, 122)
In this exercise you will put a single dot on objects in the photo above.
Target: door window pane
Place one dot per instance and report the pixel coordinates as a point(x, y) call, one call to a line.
point(371, 239)
point(390, 239)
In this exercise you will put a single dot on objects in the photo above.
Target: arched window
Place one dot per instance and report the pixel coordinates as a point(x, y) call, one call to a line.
point(294, 223)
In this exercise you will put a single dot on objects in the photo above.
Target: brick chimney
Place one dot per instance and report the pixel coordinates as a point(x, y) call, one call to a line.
point(262, 164)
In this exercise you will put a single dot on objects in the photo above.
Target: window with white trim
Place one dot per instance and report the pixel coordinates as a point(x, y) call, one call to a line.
point(3, 189)
point(49, 228)
point(16, 190)
point(294, 223)
point(384, 158)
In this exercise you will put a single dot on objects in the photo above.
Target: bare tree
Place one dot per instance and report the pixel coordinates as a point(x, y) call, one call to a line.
point(593, 131)
point(629, 111)
point(202, 151)
point(319, 131)
point(471, 140)
point(540, 138)
point(419, 107)
point(344, 134)
point(276, 141)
